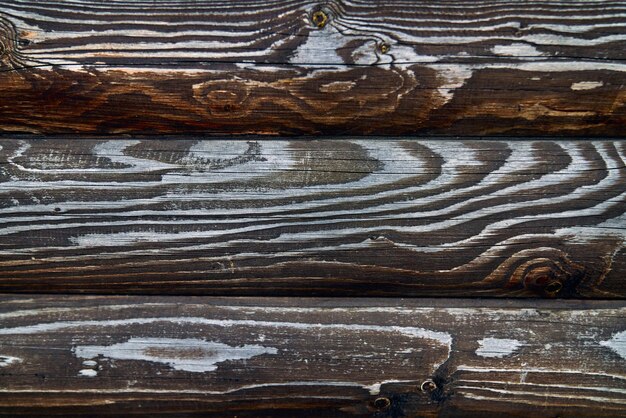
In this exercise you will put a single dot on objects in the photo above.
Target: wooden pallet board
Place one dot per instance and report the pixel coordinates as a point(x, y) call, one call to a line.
point(296, 67)
point(304, 217)
point(311, 357)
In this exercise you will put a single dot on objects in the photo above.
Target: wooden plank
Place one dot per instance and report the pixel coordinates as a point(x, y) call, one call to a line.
point(311, 357)
point(332, 217)
point(337, 67)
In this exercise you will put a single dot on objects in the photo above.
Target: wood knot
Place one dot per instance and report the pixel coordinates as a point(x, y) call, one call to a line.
point(319, 18)
point(382, 403)
point(548, 277)
point(223, 98)
point(8, 43)
point(545, 278)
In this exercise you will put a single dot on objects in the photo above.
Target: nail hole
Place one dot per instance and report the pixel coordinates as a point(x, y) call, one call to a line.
point(428, 386)
point(553, 287)
point(384, 47)
point(57, 209)
point(319, 19)
point(382, 403)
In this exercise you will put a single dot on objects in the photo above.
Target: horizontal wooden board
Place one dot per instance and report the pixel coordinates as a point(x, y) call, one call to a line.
point(305, 217)
point(310, 357)
point(334, 67)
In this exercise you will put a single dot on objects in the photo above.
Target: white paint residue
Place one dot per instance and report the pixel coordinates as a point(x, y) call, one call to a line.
point(516, 50)
point(8, 360)
point(365, 54)
point(442, 338)
point(453, 77)
point(192, 355)
point(88, 373)
point(617, 343)
point(321, 46)
point(115, 151)
point(497, 347)
point(89, 363)
point(586, 85)
point(374, 388)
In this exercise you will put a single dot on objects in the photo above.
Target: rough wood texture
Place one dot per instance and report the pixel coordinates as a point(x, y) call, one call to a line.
point(330, 217)
point(373, 67)
point(310, 357)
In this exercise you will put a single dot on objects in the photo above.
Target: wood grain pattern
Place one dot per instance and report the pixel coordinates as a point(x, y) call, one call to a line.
point(310, 357)
point(375, 67)
point(303, 217)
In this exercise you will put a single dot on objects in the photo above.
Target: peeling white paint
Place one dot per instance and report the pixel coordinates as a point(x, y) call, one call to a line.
point(538, 370)
point(617, 343)
point(497, 347)
point(88, 373)
point(516, 50)
point(543, 394)
point(321, 46)
point(8, 360)
point(135, 390)
point(453, 77)
point(586, 85)
point(192, 355)
point(442, 338)
point(374, 388)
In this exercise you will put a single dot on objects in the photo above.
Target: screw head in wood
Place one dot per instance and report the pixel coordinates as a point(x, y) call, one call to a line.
point(428, 386)
point(319, 18)
point(382, 403)
point(384, 47)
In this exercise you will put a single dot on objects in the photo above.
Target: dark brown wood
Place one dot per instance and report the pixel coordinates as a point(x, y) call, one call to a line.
point(330, 217)
point(310, 357)
point(293, 67)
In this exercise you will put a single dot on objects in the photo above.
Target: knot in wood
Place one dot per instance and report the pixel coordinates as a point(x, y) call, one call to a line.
point(223, 98)
point(547, 276)
point(8, 41)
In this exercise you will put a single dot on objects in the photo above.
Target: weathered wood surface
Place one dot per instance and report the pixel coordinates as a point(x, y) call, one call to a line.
point(311, 357)
point(373, 67)
point(329, 217)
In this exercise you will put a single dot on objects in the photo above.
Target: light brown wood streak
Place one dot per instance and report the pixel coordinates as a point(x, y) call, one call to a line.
point(463, 67)
point(310, 357)
point(304, 217)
